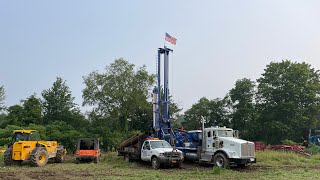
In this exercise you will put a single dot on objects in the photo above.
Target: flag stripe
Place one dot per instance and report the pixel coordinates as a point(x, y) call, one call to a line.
point(170, 39)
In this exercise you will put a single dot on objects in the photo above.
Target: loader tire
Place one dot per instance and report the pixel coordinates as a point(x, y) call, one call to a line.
point(40, 158)
point(59, 156)
point(8, 160)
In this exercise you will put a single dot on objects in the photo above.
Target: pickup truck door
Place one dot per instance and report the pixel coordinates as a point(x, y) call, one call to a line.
point(145, 151)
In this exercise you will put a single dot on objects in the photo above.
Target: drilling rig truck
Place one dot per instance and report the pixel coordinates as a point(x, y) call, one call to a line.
point(220, 146)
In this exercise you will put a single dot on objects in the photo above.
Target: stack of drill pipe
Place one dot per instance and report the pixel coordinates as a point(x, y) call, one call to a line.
point(132, 140)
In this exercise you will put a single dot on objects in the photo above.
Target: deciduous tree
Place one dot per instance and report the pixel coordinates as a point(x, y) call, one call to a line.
point(120, 94)
point(242, 105)
point(214, 112)
point(58, 103)
point(288, 100)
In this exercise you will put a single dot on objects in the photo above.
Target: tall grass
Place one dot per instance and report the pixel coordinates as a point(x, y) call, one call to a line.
point(313, 149)
point(280, 158)
point(115, 161)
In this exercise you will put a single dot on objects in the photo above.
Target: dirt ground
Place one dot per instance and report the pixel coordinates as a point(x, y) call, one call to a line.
point(111, 170)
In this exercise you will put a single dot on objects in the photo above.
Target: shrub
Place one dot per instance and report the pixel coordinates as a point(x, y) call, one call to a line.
point(288, 142)
point(313, 149)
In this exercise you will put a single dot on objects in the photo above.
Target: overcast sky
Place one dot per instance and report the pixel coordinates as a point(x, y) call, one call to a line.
point(218, 41)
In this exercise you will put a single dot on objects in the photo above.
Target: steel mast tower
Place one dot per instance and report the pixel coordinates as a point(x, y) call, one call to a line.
point(162, 121)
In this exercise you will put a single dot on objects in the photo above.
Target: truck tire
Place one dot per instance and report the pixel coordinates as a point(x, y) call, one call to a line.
point(155, 163)
point(127, 158)
point(7, 159)
point(78, 161)
point(40, 158)
point(179, 165)
point(59, 156)
point(220, 160)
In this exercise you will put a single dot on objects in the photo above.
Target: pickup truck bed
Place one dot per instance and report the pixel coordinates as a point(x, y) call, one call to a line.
point(132, 146)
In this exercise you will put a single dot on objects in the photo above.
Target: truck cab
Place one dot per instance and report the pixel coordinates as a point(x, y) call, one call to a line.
point(160, 152)
point(222, 146)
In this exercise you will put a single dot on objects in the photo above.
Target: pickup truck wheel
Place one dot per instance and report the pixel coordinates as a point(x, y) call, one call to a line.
point(220, 160)
point(155, 163)
point(127, 158)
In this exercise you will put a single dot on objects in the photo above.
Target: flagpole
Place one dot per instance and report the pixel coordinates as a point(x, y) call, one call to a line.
point(164, 42)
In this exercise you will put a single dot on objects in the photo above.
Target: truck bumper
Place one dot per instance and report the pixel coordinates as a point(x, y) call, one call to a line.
point(166, 160)
point(244, 161)
point(86, 158)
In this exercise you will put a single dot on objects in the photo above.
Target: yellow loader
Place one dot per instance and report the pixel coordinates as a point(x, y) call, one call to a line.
point(27, 145)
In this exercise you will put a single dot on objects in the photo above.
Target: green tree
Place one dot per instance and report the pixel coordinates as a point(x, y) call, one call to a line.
point(59, 106)
point(15, 116)
point(243, 107)
point(67, 138)
point(214, 112)
point(33, 109)
point(6, 134)
point(288, 101)
point(30, 111)
point(193, 115)
point(120, 94)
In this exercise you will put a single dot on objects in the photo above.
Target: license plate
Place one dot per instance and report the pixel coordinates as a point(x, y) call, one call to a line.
point(251, 159)
point(173, 161)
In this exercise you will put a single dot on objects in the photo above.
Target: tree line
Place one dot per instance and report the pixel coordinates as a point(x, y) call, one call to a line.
point(282, 104)
point(119, 96)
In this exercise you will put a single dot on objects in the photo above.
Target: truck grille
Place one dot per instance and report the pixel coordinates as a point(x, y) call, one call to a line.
point(172, 154)
point(247, 150)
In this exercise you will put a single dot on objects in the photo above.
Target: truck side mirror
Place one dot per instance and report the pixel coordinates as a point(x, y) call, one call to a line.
point(236, 133)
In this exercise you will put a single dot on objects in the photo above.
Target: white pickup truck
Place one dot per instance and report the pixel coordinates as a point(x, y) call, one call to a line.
point(152, 150)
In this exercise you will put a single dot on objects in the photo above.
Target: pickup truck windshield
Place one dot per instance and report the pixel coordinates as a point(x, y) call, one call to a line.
point(225, 133)
point(160, 144)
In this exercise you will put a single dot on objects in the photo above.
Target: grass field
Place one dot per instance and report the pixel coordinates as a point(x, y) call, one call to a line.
point(270, 165)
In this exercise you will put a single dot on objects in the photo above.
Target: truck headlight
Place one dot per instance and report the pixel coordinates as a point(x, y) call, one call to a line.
point(161, 154)
point(181, 156)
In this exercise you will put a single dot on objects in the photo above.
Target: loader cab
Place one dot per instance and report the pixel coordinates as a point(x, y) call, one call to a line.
point(25, 135)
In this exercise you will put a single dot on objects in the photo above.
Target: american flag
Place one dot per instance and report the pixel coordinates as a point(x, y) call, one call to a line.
point(171, 39)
